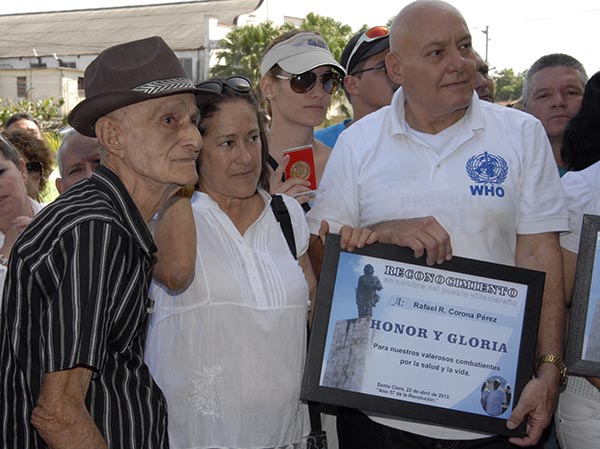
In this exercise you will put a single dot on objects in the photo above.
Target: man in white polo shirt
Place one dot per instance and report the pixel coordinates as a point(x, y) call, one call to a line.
point(443, 173)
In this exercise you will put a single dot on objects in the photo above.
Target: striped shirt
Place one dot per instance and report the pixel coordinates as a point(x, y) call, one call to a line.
point(76, 294)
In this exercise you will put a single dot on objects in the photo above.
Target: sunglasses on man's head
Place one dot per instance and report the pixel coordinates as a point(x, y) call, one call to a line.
point(34, 167)
point(237, 83)
point(304, 82)
point(372, 34)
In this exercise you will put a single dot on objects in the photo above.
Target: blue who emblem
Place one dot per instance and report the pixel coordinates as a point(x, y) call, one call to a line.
point(488, 171)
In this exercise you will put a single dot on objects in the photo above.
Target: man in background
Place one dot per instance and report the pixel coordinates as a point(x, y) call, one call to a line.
point(484, 84)
point(552, 92)
point(77, 158)
point(366, 83)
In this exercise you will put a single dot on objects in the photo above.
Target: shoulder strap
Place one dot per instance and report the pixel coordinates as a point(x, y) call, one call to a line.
point(282, 215)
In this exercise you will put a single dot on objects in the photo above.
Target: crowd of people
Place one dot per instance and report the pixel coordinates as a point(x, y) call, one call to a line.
point(165, 298)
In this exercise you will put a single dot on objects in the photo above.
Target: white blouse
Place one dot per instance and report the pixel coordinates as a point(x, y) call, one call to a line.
point(229, 351)
point(3, 269)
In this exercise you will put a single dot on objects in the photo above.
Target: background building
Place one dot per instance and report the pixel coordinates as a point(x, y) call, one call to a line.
point(45, 54)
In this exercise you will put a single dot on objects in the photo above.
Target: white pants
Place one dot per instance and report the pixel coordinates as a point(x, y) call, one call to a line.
point(577, 416)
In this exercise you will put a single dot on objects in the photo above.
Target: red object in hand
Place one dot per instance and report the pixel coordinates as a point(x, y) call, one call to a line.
point(301, 165)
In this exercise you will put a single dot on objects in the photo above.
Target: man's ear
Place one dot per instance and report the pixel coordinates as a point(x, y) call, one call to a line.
point(393, 65)
point(59, 185)
point(110, 135)
point(351, 84)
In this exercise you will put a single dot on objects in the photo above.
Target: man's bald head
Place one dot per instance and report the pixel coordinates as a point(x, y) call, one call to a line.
point(77, 157)
point(411, 17)
point(432, 59)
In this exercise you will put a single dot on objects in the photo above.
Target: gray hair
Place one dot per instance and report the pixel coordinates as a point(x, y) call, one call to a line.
point(552, 60)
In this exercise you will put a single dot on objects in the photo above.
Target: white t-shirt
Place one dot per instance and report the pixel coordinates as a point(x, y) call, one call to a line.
point(229, 351)
point(495, 179)
point(582, 192)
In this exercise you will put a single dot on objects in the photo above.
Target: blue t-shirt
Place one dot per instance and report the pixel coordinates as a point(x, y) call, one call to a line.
point(330, 134)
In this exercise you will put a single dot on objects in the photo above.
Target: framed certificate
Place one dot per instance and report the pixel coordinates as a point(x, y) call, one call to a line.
point(452, 345)
point(583, 343)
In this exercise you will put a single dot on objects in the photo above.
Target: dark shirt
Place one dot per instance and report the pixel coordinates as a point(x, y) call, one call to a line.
point(76, 294)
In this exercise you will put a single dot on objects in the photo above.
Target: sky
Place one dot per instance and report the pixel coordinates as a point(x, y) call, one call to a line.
point(518, 31)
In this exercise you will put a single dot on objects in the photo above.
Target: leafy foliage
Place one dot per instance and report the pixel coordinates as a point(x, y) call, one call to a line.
point(44, 110)
point(242, 50)
point(508, 86)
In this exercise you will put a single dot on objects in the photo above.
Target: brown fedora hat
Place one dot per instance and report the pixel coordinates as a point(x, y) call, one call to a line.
point(130, 73)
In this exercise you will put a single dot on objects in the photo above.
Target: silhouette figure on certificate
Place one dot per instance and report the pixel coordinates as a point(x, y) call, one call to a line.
point(366, 291)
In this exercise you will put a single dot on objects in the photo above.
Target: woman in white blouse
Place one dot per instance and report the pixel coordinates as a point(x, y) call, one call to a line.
point(16, 208)
point(228, 352)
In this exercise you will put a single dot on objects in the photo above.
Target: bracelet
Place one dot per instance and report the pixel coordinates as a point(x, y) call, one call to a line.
point(3, 260)
point(556, 360)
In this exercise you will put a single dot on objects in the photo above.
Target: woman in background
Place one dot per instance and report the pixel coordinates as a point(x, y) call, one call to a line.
point(39, 160)
point(16, 207)
point(299, 75)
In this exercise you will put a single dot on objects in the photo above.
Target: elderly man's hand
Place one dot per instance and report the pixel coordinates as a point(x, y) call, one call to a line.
point(423, 235)
point(536, 405)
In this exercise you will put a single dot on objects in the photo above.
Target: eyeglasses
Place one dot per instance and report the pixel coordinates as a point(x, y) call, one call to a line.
point(304, 82)
point(237, 83)
point(372, 34)
point(35, 167)
point(380, 66)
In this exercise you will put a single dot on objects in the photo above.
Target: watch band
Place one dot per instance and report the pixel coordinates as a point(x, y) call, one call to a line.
point(556, 360)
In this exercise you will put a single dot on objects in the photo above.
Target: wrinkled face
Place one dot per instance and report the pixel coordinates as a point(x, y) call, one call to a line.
point(433, 60)
point(307, 109)
point(13, 192)
point(27, 125)
point(484, 85)
point(376, 88)
point(79, 159)
point(160, 139)
point(230, 159)
point(555, 96)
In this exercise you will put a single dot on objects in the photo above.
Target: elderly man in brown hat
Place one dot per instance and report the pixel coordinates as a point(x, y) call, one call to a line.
point(75, 304)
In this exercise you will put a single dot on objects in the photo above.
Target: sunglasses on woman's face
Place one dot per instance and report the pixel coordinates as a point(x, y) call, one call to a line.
point(237, 83)
point(35, 167)
point(304, 82)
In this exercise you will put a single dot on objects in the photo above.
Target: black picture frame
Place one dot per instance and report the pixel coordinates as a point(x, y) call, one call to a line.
point(317, 365)
point(583, 341)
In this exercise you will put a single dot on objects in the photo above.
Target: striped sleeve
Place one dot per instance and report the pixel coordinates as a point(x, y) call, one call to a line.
point(88, 270)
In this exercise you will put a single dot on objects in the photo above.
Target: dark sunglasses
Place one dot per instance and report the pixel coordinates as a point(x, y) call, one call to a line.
point(304, 82)
point(237, 83)
point(34, 167)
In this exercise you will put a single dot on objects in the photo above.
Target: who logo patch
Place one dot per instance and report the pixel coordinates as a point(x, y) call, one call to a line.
point(488, 171)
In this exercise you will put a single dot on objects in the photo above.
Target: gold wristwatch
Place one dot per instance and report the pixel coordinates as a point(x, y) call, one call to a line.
point(552, 358)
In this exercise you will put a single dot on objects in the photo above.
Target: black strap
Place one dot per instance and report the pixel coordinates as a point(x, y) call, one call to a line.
point(275, 165)
point(282, 215)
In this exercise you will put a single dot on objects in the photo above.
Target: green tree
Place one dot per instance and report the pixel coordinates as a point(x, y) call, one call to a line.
point(335, 33)
point(242, 49)
point(508, 86)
